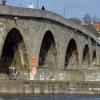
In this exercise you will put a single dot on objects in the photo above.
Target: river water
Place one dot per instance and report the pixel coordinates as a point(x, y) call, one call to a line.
point(51, 97)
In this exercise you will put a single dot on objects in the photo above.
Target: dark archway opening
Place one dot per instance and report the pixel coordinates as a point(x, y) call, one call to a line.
point(86, 56)
point(48, 52)
point(13, 53)
point(94, 58)
point(71, 58)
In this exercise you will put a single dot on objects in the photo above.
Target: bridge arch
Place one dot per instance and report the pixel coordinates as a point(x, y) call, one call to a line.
point(86, 57)
point(94, 59)
point(71, 58)
point(48, 52)
point(14, 53)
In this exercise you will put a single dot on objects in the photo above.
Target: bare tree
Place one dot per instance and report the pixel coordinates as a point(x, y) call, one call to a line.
point(75, 20)
point(87, 19)
point(94, 19)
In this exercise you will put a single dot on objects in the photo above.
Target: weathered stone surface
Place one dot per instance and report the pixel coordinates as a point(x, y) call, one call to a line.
point(40, 87)
point(61, 44)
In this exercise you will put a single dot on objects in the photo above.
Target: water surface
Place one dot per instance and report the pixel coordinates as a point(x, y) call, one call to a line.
point(52, 97)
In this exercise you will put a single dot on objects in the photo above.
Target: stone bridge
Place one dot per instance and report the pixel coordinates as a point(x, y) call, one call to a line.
point(56, 45)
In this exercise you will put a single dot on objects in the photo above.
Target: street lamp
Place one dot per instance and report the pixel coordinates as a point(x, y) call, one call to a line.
point(64, 9)
point(37, 3)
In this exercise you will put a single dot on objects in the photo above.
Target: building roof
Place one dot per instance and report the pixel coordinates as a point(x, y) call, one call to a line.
point(95, 28)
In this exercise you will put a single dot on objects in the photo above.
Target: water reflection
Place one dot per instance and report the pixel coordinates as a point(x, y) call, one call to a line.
point(52, 97)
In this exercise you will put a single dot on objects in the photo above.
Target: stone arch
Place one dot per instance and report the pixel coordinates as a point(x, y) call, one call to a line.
point(94, 59)
point(14, 53)
point(48, 52)
point(86, 56)
point(71, 58)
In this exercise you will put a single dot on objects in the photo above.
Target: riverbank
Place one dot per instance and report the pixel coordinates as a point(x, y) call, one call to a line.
point(16, 87)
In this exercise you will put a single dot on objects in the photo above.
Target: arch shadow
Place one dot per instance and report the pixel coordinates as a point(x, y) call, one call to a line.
point(94, 59)
point(14, 53)
point(48, 52)
point(71, 58)
point(86, 57)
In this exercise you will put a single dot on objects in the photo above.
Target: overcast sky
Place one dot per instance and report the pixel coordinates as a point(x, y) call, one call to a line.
point(74, 8)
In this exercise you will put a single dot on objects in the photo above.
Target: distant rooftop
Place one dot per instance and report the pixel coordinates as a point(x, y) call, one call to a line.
point(95, 28)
